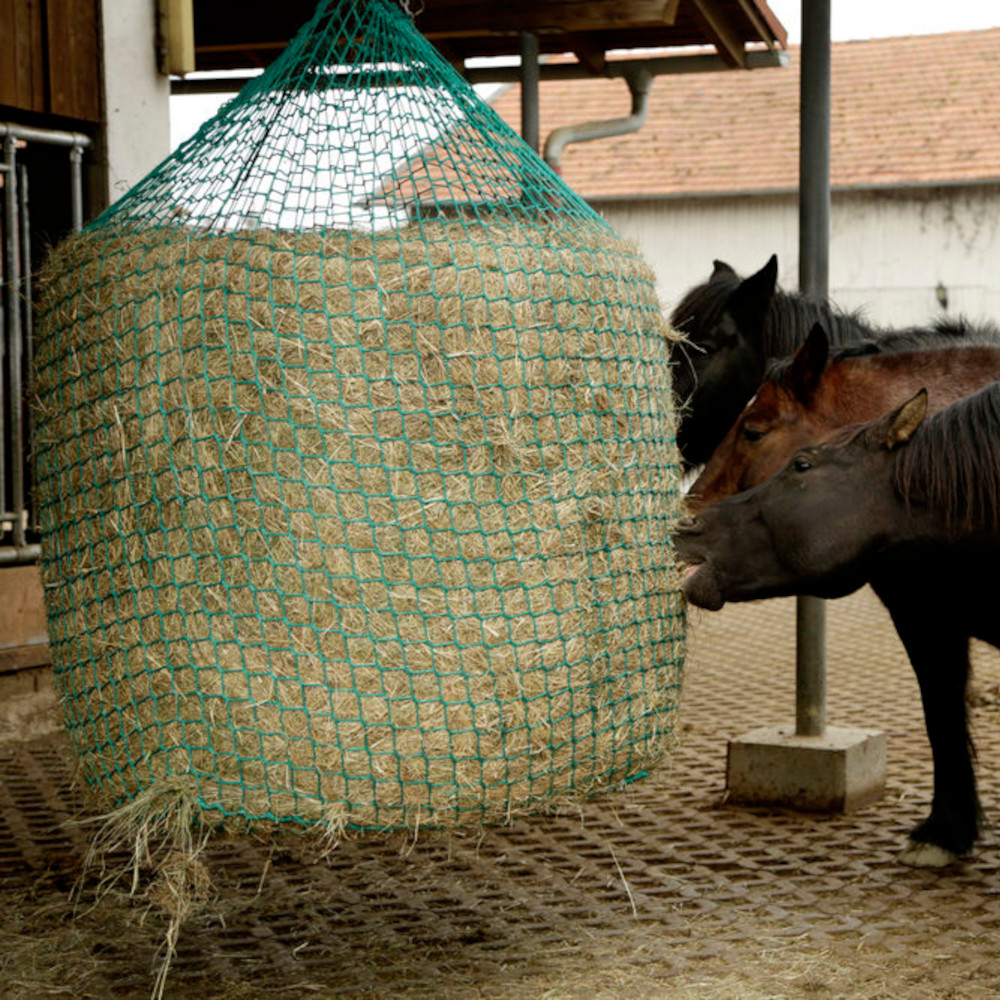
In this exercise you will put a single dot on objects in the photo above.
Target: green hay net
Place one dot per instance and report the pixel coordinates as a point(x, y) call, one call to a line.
point(355, 455)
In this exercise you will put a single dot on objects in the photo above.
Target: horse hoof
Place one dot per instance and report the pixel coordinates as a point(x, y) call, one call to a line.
point(920, 855)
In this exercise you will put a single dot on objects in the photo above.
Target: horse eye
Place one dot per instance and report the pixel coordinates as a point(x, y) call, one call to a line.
point(753, 433)
point(801, 464)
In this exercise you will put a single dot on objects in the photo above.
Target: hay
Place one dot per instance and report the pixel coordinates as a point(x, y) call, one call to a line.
point(358, 531)
point(162, 856)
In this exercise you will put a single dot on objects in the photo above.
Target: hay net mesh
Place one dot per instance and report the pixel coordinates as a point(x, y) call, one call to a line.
point(355, 460)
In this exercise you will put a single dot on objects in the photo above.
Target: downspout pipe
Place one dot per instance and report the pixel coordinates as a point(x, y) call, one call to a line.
point(640, 82)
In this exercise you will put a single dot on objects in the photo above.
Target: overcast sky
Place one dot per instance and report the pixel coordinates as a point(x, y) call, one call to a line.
point(852, 19)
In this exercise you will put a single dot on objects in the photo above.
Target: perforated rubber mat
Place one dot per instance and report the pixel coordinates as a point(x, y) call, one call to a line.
point(658, 890)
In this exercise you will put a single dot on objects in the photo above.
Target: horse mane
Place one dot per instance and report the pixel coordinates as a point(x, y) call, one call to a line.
point(791, 316)
point(952, 463)
point(942, 333)
point(960, 332)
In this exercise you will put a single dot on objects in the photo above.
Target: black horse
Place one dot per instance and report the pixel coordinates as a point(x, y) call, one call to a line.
point(911, 506)
point(734, 326)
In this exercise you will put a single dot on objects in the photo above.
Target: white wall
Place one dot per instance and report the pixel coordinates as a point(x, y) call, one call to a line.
point(888, 249)
point(137, 97)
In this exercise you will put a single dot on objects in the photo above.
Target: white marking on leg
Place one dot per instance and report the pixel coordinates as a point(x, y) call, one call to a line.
point(918, 855)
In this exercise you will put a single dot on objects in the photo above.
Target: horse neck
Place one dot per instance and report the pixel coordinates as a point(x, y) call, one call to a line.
point(864, 387)
point(950, 471)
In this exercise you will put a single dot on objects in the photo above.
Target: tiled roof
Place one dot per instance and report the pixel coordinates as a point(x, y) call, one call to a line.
point(918, 110)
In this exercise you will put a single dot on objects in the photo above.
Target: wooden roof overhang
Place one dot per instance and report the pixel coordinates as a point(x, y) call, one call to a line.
point(248, 34)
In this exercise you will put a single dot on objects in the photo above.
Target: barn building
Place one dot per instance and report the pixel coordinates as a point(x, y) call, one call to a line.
point(713, 172)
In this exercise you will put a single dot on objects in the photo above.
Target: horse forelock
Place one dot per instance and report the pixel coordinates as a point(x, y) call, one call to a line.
point(702, 307)
point(952, 464)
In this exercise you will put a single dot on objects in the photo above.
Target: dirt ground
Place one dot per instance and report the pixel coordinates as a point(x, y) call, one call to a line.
point(659, 890)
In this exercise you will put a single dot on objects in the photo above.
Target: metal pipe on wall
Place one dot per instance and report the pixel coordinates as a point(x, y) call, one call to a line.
point(814, 271)
point(28, 289)
point(77, 143)
point(45, 136)
point(20, 330)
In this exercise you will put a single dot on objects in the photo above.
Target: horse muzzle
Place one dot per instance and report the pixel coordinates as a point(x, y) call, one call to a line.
point(698, 579)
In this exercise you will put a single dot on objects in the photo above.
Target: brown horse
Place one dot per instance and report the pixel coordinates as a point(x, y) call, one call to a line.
point(807, 398)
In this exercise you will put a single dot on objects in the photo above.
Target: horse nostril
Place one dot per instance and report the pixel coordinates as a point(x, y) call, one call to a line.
point(688, 525)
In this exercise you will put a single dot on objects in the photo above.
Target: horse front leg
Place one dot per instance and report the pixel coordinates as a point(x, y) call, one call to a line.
point(940, 658)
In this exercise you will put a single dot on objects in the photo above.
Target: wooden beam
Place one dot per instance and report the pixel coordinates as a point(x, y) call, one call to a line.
point(73, 51)
point(719, 30)
point(589, 56)
point(18, 658)
point(23, 627)
point(763, 25)
point(176, 28)
point(455, 18)
point(22, 70)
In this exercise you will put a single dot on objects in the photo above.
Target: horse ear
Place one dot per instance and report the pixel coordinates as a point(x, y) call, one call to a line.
point(720, 269)
point(906, 420)
point(808, 364)
point(766, 279)
point(753, 297)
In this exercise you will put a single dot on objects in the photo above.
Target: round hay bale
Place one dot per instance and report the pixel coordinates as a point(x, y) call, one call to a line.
point(360, 530)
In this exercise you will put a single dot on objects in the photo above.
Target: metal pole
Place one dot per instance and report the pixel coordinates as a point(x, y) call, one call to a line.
point(529, 89)
point(18, 351)
point(814, 271)
point(12, 279)
point(76, 185)
point(46, 136)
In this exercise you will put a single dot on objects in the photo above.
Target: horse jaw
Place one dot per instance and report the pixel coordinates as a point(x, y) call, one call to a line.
point(922, 855)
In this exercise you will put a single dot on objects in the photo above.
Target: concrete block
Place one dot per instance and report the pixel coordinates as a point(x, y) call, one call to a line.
point(29, 705)
point(841, 770)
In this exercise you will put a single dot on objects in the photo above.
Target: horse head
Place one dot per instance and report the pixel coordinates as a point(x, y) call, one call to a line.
point(811, 529)
point(720, 361)
point(784, 414)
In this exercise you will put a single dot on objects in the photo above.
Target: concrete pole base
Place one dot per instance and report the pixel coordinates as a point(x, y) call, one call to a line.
point(841, 770)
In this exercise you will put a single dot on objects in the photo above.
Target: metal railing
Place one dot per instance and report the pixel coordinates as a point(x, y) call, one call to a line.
point(17, 514)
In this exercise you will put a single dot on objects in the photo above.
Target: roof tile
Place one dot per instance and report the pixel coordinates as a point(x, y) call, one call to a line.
point(924, 109)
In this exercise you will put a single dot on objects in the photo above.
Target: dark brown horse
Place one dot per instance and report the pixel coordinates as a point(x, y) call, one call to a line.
point(807, 398)
point(911, 506)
